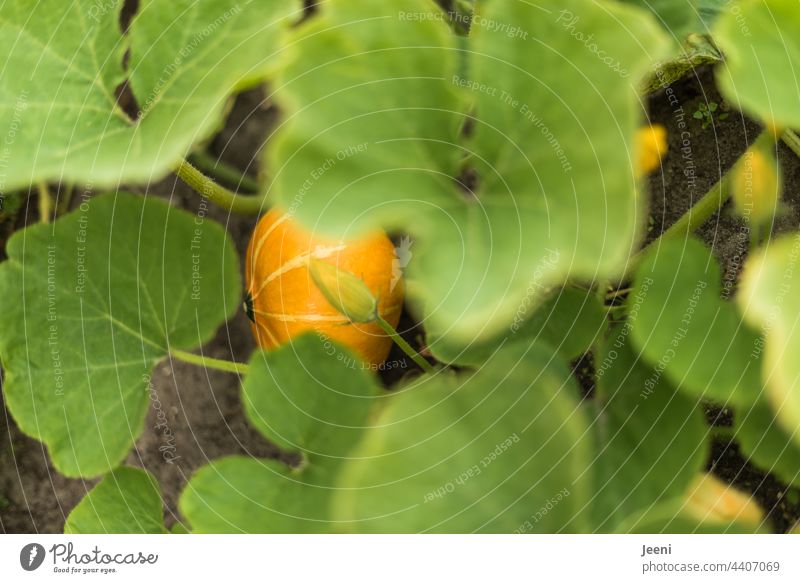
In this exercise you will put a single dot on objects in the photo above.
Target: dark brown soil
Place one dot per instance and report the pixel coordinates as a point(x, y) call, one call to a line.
point(782, 504)
point(202, 408)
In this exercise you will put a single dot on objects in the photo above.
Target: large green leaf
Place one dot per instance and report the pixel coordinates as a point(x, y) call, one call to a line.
point(683, 17)
point(678, 17)
point(238, 494)
point(687, 332)
point(374, 102)
point(500, 450)
point(710, 10)
point(672, 517)
point(571, 321)
point(761, 42)
point(371, 116)
point(126, 501)
point(767, 445)
point(310, 397)
point(650, 438)
point(64, 60)
point(91, 303)
point(770, 300)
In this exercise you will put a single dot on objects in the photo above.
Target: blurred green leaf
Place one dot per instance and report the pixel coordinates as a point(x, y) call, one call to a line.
point(248, 495)
point(766, 445)
point(310, 397)
point(769, 298)
point(684, 329)
point(63, 63)
point(376, 103)
point(683, 17)
point(126, 501)
point(677, 17)
point(371, 116)
point(651, 439)
point(570, 321)
point(500, 450)
point(91, 304)
point(761, 42)
point(672, 517)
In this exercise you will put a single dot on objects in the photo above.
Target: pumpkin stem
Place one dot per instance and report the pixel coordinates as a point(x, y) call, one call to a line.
point(218, 194)
point(45, 202)
point(791, 139)
point(405, 346)
point(208, 362)
point(223, 172)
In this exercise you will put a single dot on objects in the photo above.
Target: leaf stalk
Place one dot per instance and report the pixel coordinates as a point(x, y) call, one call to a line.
point(208, 362)
point(405, 346)
point(45, 202)
point(223, 172)
point(218, 194)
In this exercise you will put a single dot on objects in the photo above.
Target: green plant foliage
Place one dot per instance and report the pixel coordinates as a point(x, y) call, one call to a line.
point(770, 301)
point(759, 40)
point(63, 62)
point(686, 331)
point(483, 452)
point(710, 10)
point(375, 106)
point(91, 304)
point(571, 321)
point(500, 141)
point(238, 494)
point(678, 17)
point(651, 442)
point(767, 445)
point(673, 517)
point(367, 84)
point(310, 397)
point(126, 501)
point(707, 113)
point(696, 51)
point(683, 17)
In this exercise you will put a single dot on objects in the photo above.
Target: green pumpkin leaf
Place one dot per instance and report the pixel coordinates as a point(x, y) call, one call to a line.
point(761, 45)
point(179, 528)
point(651, 439)
point(672, 517)
point(683, 17)
point(126, 501)
point(677, 17)
point(371, 116)
point(247, 495)
point(766, 444)
point(710, 10)
point(696, 51)
point(769, 298)
point(64, 61)
point(376, 100)
point(310, 397)
point(570, 321)
point(684, 329)
point(499, 450)
point(91, 304)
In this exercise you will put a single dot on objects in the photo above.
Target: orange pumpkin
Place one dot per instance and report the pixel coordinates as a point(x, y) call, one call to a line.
point(283, 300)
